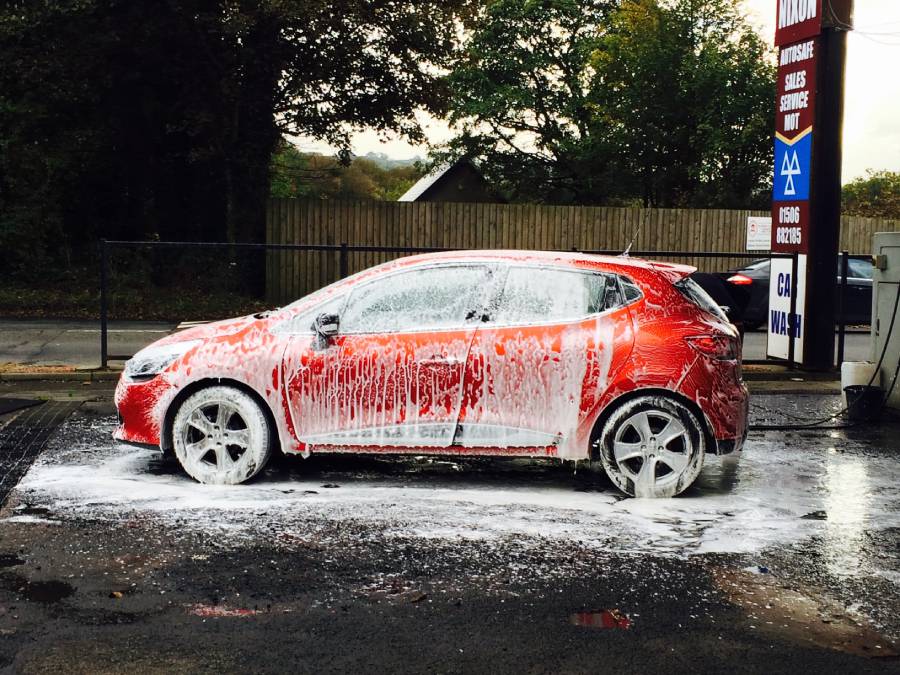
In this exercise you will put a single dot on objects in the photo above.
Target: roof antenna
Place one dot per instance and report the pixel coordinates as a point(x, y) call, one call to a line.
point(637, 231)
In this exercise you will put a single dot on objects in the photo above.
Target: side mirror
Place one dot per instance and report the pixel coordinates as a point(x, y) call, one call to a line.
point(326, 325)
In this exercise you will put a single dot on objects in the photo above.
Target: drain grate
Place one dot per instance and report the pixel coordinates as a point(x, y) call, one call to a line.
point(23, 439)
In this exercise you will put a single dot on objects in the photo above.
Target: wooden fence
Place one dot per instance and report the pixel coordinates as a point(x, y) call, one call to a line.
point(292, 274)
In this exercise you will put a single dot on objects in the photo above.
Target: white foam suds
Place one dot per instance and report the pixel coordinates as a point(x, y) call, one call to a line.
point(758, 502)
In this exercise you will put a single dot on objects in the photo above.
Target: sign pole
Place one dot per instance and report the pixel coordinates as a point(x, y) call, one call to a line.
point(806, 196)
point(825, 194)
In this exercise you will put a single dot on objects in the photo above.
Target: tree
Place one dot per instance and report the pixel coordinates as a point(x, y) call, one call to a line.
point(313, 176)
point(875, 196)
point(118, 121)
point(586, 101)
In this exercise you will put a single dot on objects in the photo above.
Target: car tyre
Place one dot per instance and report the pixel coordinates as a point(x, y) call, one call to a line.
point(652, 446)
point(221, 436)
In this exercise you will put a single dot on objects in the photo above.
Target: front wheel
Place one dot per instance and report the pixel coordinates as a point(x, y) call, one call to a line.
point(652, 446)
point(221, 436)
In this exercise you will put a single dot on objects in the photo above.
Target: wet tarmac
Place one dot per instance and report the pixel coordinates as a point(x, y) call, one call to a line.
point(787, 558)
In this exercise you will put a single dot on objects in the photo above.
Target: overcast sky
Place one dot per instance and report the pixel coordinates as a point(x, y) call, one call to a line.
point(872, 104)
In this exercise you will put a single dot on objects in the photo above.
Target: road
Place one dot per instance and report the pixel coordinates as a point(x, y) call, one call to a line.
point(857, 346)
point(787, 561)
point(74, 343)
point(78, 343)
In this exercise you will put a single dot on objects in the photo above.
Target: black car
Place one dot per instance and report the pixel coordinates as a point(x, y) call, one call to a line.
point(749, 291)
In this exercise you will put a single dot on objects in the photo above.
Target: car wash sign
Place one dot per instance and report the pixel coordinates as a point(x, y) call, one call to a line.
point(785, 325)
point(798, 25)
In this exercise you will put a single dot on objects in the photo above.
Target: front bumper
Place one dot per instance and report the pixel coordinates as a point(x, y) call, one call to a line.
point(141, 408)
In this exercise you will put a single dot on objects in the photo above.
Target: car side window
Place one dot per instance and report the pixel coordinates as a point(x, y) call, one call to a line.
point(432, 298)
point(545, 295)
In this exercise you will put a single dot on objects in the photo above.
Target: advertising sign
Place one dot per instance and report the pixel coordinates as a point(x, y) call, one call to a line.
point(798, 26)
point(795, 110)
point(782, 325)
point(759, 233)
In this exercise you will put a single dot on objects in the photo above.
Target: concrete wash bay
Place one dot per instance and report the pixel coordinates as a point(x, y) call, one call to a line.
point(786, 559)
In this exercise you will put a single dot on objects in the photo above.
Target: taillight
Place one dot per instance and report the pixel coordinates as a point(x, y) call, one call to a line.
point(715, 346)
point(740, 280)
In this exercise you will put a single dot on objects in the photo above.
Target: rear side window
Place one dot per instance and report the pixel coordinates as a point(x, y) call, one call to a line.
point(542, 295)
point(693, 292)
point(631, 290)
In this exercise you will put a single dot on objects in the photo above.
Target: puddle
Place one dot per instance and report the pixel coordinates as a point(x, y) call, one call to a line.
point(39, 591)
point(602, 618)
point(10, 560)
point(804, 614)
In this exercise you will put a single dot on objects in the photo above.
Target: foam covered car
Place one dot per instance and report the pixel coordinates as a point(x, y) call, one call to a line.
point(506, 353)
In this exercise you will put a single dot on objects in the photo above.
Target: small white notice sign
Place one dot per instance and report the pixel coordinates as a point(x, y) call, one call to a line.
point(759, 233)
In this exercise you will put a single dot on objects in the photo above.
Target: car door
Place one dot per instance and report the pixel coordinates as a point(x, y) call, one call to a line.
point(543, 359)
point(393, 376)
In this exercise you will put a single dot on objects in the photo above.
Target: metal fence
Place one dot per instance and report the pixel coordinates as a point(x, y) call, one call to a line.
point(343, 252)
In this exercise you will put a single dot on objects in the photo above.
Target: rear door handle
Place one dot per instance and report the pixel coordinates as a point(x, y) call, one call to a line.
point(441, 361)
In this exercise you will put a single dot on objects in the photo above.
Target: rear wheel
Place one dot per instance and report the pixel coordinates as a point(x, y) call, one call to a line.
point(221, 436)
point(652, 446)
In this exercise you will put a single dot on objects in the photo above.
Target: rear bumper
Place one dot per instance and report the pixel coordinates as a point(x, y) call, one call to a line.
point(733, 440)
point(718, 390)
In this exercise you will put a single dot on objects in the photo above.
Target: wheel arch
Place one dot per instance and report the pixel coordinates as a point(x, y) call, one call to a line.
point(622, 399)
point(165, 437)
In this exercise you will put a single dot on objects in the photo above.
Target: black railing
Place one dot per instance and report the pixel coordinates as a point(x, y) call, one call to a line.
point(344, 250)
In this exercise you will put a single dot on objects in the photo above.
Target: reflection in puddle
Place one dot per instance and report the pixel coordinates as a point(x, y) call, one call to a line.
point(847, 503)
point(218, 611)
point(605, 618)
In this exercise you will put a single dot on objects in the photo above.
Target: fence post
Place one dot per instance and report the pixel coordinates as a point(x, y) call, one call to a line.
point(792, 317)
point(842, 296)
point(344, 260)
point(104, 264)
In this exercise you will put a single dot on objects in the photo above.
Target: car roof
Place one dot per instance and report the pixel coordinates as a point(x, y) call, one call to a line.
point(619, 263)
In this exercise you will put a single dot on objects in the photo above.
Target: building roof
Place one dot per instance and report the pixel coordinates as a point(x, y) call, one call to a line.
point(426, 181)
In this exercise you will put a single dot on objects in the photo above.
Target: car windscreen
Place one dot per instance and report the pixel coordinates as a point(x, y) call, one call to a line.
point(693, 292)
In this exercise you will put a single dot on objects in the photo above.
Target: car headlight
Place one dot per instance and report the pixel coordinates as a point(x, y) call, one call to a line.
point(153, 360)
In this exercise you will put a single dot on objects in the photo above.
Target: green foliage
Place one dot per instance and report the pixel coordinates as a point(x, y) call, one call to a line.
point(295, 174)
point(125, 122)
point(876, 196)
point(604, 102)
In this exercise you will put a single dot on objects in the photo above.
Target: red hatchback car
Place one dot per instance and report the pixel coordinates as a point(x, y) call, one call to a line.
point(507, 353)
